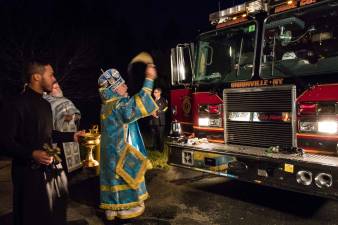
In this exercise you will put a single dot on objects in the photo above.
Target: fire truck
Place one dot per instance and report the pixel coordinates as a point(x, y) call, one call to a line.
point(256, 98)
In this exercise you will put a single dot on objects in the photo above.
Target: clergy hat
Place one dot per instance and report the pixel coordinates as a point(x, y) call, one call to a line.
point(110, 79)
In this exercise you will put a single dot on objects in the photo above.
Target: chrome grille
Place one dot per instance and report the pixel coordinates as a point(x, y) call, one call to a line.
point(264, 99)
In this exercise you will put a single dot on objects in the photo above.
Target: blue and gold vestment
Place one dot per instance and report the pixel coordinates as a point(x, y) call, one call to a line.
point(123, 160)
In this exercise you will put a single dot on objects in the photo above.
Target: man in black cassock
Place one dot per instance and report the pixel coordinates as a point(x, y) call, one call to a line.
point(157, 121)
point(39, 183)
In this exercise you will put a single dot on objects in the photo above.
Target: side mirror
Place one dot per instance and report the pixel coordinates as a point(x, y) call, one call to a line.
point(182, 64)
point(175, 129)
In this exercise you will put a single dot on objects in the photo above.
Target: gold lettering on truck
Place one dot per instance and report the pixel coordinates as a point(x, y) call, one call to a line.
point(257, 83)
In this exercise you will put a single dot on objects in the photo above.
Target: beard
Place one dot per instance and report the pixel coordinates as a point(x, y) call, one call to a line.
point(57, 94)
point(46, 87)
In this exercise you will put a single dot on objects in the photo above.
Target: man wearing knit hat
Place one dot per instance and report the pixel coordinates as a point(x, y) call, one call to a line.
point(123, 161)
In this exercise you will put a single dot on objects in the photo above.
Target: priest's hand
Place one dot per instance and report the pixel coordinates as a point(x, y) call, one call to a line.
point(151, 72)
point(79, 134)
point(42, 157)
point(154, 114)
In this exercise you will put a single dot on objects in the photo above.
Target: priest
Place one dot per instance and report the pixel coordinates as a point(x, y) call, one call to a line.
point(123, 161)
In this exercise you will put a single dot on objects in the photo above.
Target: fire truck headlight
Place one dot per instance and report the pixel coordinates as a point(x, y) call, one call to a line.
point(203, 122)
point(329, 127)
point(307, 126)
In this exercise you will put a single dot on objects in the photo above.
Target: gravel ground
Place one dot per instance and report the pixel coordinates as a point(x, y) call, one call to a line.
point(182, 197)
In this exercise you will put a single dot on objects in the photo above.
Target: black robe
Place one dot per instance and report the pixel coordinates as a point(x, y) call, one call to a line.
point(39, 192)
point(158, 124)
point(162, 104)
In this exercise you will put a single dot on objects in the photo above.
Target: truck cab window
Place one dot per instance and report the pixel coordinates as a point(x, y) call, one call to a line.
point(297, 43)
point(226, 55)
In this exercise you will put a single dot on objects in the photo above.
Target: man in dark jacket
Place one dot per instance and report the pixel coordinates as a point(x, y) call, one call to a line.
point(39, 183)
point(157, 121)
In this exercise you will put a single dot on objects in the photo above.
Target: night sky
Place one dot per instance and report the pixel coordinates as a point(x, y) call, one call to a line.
point(79, 37)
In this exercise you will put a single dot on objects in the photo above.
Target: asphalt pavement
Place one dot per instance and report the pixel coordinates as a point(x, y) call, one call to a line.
point(183, 197)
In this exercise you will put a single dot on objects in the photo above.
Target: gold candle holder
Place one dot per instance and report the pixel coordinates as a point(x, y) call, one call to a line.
point(90, 140)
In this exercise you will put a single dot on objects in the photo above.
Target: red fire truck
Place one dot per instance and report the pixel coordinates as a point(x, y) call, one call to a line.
point(256, 98)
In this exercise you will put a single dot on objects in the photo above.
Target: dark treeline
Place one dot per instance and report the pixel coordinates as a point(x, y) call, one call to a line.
point(81, 37)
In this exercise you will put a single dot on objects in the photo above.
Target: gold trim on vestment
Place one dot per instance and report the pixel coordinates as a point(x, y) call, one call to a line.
point(103, 116)
point(125, 206)
point(133, 182)
point(131, 215)
point(156, 106)
point(111, 100)
point(125, 132)
point(147, 90)
point(141, 106)
point(108, 108)
point(116, 188)
point(144, 196)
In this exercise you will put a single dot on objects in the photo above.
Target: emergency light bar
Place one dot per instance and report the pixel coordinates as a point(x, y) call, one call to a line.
point(276, 6)
point(234, 12)
point(254, 7)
